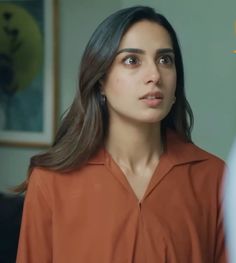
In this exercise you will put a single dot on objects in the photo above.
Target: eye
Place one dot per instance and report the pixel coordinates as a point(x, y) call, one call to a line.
point(166, 60)
point(131, 60)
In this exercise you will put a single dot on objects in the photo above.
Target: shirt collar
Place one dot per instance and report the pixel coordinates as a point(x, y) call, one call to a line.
point(177, 151)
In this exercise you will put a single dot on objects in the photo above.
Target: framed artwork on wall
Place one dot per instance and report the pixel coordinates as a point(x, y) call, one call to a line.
point(28, 71)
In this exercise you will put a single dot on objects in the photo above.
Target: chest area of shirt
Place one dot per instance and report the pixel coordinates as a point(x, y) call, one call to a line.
point(109, 191)
point(176, 210)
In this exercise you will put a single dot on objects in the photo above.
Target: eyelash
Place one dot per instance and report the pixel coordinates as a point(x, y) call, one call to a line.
point(170, 59)
point(135, 58)
point(137, 61)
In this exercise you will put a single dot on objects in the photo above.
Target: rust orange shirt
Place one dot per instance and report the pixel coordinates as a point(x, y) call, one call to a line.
point(92, 215)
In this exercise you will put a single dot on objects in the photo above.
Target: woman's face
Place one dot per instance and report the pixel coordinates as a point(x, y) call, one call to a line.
point(140, 85)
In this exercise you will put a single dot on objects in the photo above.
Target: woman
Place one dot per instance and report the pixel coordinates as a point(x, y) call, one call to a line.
point(123, 182)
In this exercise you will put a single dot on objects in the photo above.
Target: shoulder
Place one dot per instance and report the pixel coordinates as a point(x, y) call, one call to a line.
point(209, 157)
point(44, 175)
point(182, 152)
point(202, 163)
point(40, 185)
point(211, 160)
point(46, 178)
point(56, 183)
point(211, 167)
point(40, 176)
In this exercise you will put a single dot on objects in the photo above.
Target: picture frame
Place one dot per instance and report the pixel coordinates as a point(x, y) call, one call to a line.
point(28, 72)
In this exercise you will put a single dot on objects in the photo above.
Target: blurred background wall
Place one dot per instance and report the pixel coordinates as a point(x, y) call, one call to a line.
point(207, 37)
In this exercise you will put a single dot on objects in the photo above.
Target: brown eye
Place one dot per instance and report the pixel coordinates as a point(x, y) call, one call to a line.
point(166, 60)
point(131, 60)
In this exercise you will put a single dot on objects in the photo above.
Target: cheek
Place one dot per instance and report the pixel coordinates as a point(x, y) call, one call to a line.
point(115, 87)
point(172, 83)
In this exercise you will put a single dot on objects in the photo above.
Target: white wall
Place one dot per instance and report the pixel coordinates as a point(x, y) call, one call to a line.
point(206, 33)
point(207, 36)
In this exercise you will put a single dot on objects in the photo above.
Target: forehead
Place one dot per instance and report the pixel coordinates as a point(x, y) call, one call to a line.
point(146, 33)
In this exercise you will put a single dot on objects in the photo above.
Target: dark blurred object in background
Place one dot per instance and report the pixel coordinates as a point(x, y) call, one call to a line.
point(10, 219)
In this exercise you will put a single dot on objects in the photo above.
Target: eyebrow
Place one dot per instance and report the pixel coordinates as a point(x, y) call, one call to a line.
point(141, 51)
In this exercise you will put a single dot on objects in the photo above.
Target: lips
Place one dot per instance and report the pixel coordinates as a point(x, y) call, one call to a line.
point(152, 96)
point(152, 99)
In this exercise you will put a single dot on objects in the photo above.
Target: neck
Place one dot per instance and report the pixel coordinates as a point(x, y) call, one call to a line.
point(134, 144)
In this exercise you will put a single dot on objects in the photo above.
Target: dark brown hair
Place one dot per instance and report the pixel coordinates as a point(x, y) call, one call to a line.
point(85, 125)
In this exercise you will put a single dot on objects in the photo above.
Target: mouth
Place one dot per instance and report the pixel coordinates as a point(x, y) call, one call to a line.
point(152, 96)
point(152, 99)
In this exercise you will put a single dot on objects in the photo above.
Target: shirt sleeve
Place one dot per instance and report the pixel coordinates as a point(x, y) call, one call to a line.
point(221, 253)
point(35, 242)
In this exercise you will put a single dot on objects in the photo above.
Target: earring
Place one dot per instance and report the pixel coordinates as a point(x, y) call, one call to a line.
point(103, 99)
point(174, 100)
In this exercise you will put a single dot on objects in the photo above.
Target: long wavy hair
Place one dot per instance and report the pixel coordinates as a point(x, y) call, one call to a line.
point(84, 127)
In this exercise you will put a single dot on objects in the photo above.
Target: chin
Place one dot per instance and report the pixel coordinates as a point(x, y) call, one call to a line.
point(153, 119)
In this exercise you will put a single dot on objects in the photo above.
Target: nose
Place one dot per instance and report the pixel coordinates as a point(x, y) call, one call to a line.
point(152, 74)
